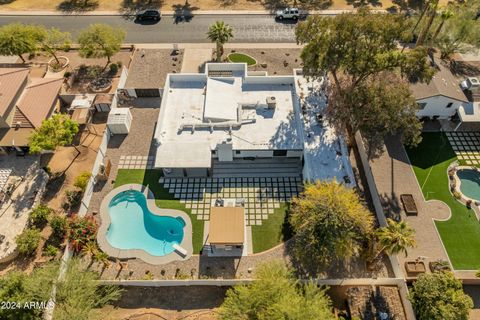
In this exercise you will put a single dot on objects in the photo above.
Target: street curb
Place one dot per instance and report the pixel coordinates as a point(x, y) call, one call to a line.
point(171, 13)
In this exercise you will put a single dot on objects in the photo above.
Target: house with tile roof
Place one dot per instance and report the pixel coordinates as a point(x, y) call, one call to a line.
point(24, 103)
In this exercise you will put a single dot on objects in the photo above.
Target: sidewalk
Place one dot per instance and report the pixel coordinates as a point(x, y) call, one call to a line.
point(169, 13)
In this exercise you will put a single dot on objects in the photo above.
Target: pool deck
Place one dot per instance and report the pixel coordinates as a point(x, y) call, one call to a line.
point(139, 253)
point(458, 183)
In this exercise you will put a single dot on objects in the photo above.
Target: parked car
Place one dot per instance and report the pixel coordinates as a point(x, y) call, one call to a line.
point(288, 13)
point(149, 14)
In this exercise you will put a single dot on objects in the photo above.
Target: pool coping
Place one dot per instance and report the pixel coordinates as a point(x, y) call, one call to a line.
point(458, 181)
point(154, 209)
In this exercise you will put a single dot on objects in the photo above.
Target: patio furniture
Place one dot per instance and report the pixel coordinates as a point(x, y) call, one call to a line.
point(415, 267)
point(409, 204)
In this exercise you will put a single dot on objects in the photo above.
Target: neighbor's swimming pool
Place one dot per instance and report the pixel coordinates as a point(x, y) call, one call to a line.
point(470, 183)
point(133, 226)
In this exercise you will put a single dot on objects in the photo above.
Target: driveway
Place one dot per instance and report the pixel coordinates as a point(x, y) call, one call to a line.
point(394, 176)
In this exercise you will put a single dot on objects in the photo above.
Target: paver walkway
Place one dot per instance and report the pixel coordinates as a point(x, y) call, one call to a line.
point(194, 60)
point(466, 146)
point(394, 176)
point(261, 196)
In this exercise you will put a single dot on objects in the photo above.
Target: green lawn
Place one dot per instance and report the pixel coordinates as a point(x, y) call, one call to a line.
point(273, 231)
point(163, 198)
point(461, 233)
point(241, 57)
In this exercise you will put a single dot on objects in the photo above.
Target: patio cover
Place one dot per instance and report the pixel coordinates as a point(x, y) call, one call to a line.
point(184, 155)
point(227, 225)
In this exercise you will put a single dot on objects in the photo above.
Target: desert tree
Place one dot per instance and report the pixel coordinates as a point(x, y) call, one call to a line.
point(329, 223)
point(100, 40)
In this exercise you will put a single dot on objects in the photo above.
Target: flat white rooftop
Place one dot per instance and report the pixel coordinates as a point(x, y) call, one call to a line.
point(222, 106)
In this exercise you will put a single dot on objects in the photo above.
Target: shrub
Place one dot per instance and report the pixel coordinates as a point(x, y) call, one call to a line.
point(81, 180)
point(27, 241)
point(73, 199)
point(113, 68)
point(50, 251)
point(119, 64)
point(81, 231)
point(39, 215)
point(59, 225)
point(67, 74)
point(457, 195)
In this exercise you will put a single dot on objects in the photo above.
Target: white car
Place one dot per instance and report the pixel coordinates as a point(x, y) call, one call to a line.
point(288, 13)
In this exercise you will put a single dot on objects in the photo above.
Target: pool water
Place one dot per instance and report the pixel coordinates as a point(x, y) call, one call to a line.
point(133, 226)
point(470, 183)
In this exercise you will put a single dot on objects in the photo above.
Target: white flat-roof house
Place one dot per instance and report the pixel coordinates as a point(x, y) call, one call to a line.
point(226, 122)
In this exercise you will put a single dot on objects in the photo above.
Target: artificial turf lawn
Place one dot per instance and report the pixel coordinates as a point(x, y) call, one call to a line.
point(163, 198)
point(241, 57)
point(461, 233)
point(273, 231)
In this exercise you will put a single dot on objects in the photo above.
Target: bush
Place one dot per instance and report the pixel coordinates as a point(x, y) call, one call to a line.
point(113, 68)
point(67, 74)
point(457, 195)
point(39, 215)
point(73, 199)
point(119, 64)
point(81, 231)
point(50, 251)
point(81, 180)
point(27, 241)
point(59, 225)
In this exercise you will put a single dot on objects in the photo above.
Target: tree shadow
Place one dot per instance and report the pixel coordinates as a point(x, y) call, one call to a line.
point(405, 5)
point(183, 13)
point(53, 186)
point(464, 68)
point(6, 2)
point(130, 8)
point(314, 4)
point(363, 3)
point(72, 6)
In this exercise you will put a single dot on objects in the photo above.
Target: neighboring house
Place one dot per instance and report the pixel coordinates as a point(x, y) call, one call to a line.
point(441, 97)
point(24, 104)
point(227, 123)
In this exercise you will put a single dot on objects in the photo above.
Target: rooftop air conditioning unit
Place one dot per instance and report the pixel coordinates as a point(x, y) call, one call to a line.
point(472, 84)
point(271, 102)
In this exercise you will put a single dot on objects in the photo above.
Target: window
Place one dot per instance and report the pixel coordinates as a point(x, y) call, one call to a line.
point(237, 151)
point(422, 105)
point(279, 153)
point(449, 105)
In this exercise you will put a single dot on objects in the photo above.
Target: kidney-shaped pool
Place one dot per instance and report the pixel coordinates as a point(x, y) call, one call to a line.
point(133, 226)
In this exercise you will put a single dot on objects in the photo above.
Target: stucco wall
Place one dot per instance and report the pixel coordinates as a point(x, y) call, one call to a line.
point(437, 106)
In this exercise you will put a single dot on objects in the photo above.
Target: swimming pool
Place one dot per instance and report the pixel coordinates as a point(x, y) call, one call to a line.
point(470, 183)
point(133, 226)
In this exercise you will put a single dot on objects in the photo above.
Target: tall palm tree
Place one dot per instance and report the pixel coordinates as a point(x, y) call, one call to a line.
point(432, 12)
point(444, 16)
point(396, 237)
point(220, 33)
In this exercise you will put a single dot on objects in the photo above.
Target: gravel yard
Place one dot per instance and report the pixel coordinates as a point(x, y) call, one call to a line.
point(274, 61)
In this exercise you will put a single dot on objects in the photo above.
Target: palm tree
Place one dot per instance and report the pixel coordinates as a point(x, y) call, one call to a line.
point(432, 12)
point(220, 33)
point(444, 15)
point(396, 237)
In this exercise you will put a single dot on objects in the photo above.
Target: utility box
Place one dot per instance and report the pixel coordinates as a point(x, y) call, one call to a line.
point(119, 120)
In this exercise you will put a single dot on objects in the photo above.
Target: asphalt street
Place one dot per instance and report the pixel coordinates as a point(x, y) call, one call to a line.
point(247, 28)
